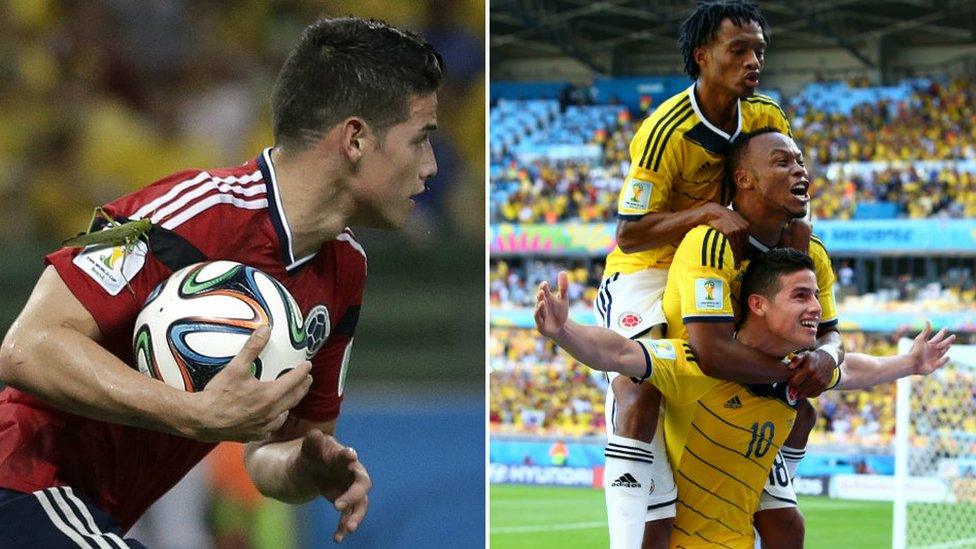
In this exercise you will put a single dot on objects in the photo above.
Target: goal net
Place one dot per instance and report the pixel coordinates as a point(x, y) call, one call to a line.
point(935, 455)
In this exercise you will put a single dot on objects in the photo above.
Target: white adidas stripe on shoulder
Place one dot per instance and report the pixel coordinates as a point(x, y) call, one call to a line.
point(345, 236)
point(210, 202)
point(203, 188)
point(184, 191)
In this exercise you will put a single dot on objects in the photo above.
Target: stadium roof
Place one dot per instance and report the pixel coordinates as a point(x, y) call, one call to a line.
point(605, 34)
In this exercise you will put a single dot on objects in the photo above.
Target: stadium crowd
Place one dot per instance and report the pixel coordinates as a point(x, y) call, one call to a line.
point(936, 123)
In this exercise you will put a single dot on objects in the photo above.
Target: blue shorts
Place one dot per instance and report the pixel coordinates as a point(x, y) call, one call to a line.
point(57, 518)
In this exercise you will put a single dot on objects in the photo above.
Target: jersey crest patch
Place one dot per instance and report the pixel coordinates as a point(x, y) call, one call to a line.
point(638, 194)
point(318, 326)
point(112, 267)
point(708, 294)
point(629, 320)
point(663, 349)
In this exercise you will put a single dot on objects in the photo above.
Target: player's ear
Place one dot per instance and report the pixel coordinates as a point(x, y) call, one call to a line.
point(757, 305)
point(353, 133)
point(699, 55)
point(742, 178)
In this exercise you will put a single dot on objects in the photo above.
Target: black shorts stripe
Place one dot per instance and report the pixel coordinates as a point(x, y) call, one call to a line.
point(667, 136)
point(704, 254)
point(659, 505)
point(680, 106)
point(713, 494)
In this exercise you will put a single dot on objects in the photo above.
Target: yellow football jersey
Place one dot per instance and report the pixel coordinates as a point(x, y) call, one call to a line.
point(722, 439)
point(677, 162)
point(704, 282)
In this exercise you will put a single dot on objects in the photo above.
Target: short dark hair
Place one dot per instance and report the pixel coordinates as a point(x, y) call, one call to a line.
point(350, 67)
point(700, 27)
point(738, 147)
point(763, 274)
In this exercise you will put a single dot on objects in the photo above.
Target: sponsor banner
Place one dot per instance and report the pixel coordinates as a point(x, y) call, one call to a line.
point(896, 236)
point(552, 476)
point(811, 486)
point(882, 488)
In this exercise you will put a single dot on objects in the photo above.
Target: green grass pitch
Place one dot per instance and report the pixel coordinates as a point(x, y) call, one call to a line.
point(542, 517)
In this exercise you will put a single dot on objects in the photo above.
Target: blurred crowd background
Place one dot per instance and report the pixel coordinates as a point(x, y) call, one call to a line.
point(99, 98)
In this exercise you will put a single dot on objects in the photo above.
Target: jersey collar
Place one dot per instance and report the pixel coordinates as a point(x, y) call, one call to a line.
point(276, 212)
point(709, 125)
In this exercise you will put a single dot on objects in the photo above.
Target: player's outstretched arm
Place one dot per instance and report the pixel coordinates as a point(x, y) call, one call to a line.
point(928, 354)
point(302, 461)
point(52, 352)
point(598, 348)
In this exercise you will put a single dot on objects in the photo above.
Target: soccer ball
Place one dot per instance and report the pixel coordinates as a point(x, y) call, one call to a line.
point(196, 321)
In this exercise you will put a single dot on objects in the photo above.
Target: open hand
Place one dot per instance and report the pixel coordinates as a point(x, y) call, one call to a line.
point(930, 353)
point(552, 308)
point(339, 476)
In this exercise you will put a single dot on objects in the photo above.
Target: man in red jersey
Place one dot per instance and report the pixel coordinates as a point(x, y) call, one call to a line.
point(87, 443)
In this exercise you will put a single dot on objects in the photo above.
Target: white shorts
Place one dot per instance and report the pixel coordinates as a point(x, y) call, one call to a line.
point(630, 304)
point(778, 492)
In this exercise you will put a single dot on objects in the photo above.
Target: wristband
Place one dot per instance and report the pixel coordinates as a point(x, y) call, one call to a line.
point(834, 380)
point(833, 351)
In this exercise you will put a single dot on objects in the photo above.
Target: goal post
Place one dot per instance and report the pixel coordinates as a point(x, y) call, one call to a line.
point(935, 455)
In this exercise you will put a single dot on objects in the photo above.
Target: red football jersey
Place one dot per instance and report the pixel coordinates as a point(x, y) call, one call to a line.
point(230, 213)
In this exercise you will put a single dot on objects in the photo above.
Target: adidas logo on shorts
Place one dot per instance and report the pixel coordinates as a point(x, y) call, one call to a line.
point(626, 480)
point(733, 402)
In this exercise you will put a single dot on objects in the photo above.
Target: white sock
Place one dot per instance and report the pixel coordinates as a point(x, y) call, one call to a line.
point(626, 484)
point(792, 457)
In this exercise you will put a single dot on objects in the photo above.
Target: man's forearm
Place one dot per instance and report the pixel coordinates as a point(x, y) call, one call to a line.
point(732, 360)
point(657, 229)
point(602, 349)
point(68, 370)
point(860, 371)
